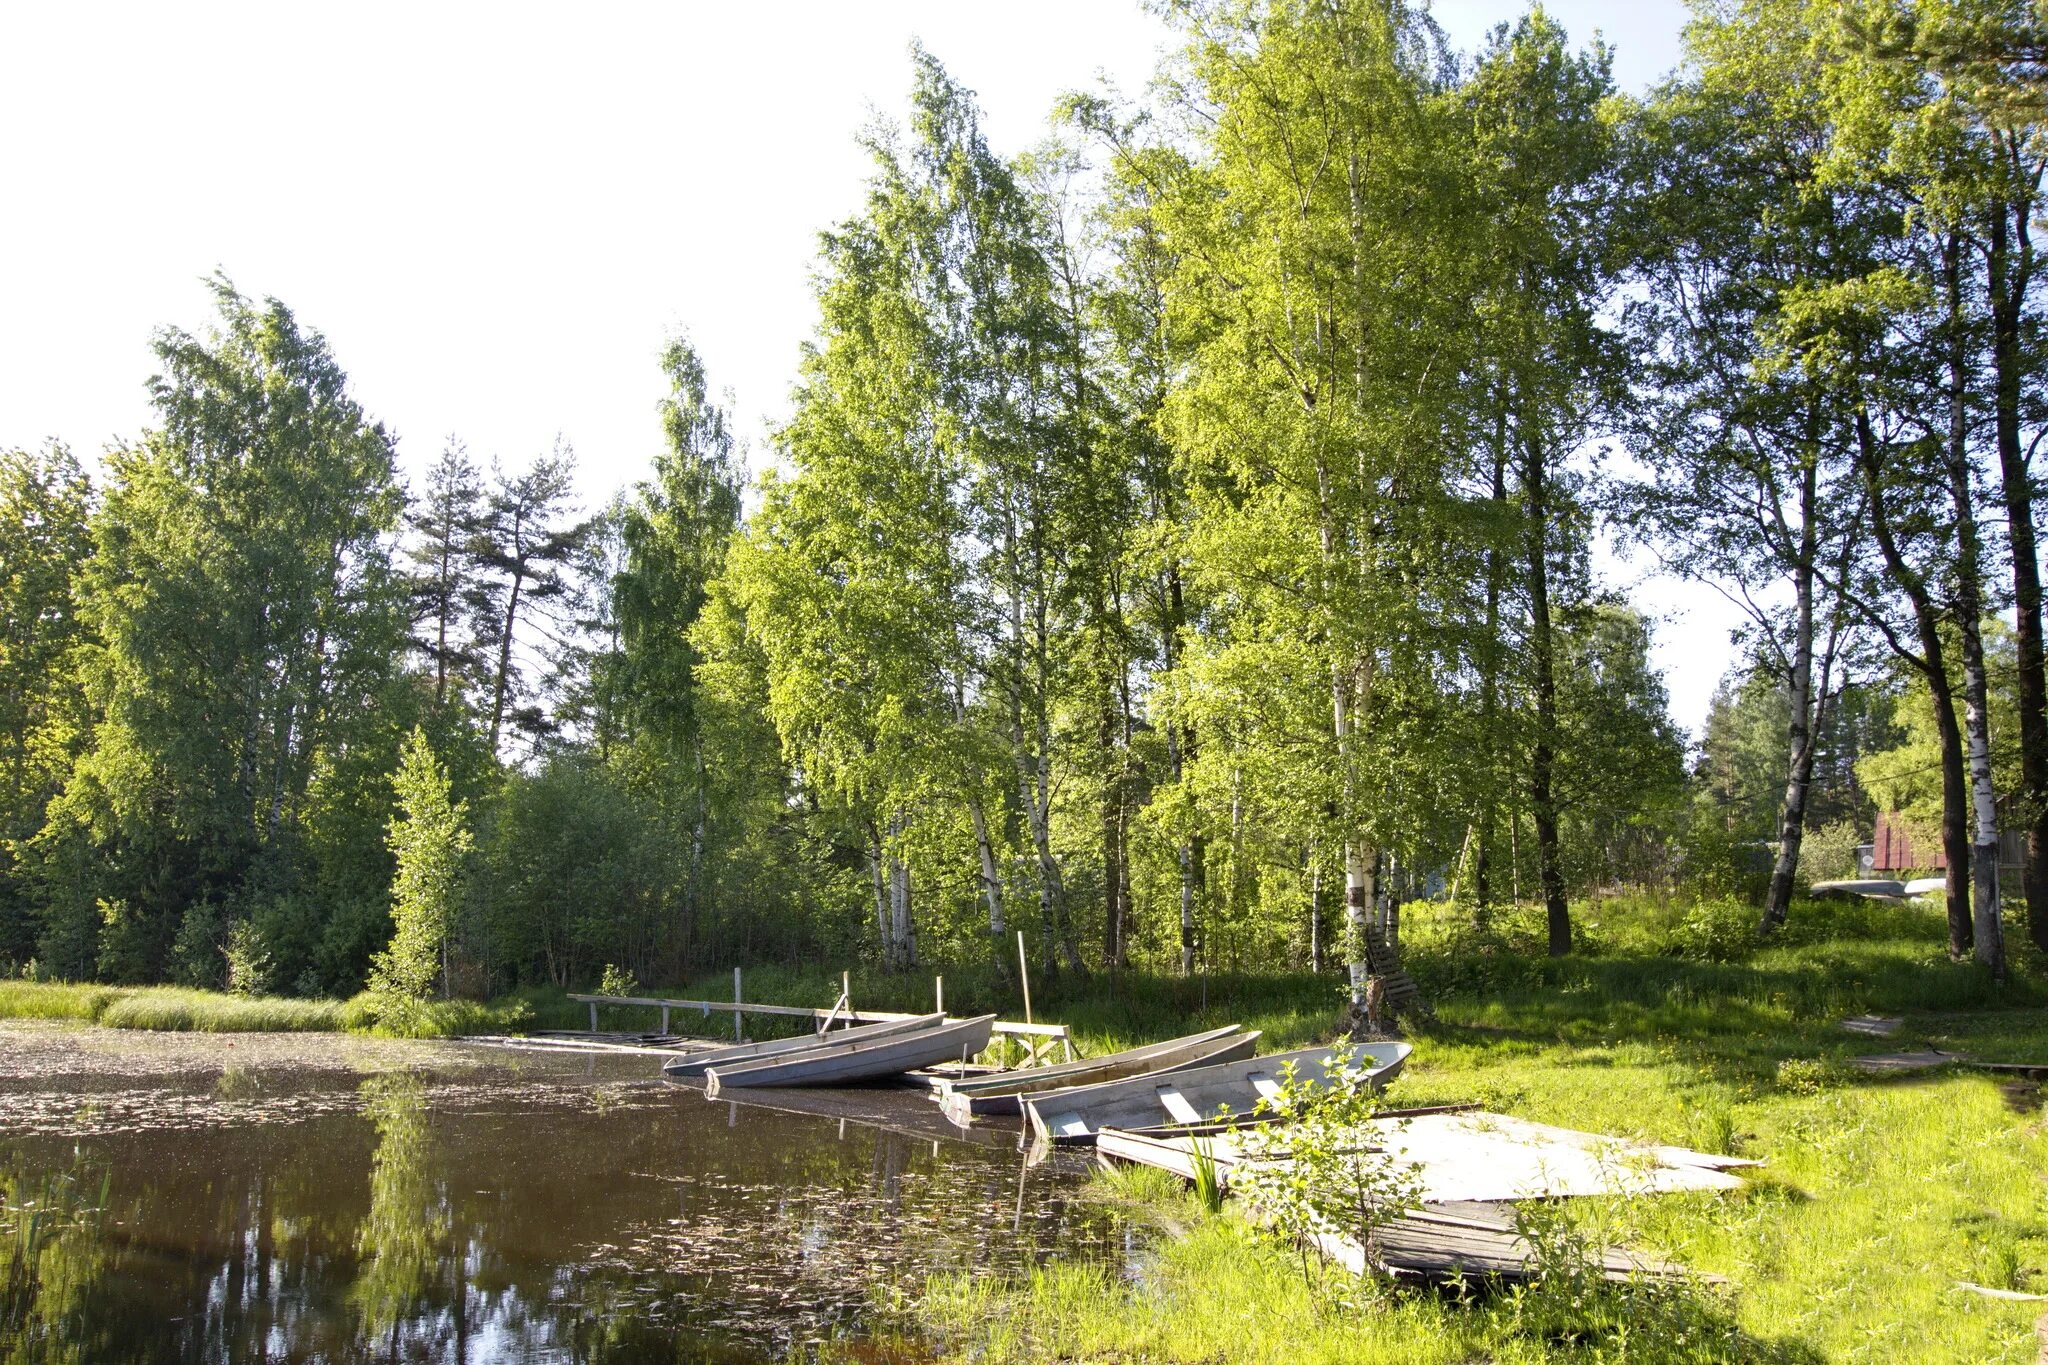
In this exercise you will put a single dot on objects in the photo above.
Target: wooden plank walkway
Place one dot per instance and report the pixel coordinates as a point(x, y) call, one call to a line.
point(1472, 1165)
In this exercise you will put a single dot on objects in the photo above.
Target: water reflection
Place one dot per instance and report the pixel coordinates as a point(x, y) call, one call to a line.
point(565, 1211)
point(52, 1258)
point(404, 1237)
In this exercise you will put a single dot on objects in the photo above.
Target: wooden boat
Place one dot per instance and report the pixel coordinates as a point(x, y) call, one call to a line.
point(864, 1059)
point(698, 1063)
point(1004, 1093)
point(1195, 1096)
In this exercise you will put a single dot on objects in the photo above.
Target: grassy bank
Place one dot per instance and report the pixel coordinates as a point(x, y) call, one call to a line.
point(176, 1009)
point(1876, 1199)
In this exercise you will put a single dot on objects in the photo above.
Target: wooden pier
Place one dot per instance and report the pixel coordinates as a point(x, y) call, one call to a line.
point(1037, 1044)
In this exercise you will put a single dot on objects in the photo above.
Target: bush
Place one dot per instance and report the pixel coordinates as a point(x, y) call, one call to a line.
point(1829, 853)
point(392, 1016)
point(1722, 929)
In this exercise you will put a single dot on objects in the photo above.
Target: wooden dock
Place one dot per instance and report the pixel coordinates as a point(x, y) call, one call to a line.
point(1037, 1044)
point(1472, 1166)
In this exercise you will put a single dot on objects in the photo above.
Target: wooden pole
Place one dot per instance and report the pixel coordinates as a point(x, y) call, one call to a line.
point(939, 992)
point(1024, 975)
point(736, 1036)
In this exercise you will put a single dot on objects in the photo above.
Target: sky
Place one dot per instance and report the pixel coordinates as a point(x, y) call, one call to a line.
point(497, 213)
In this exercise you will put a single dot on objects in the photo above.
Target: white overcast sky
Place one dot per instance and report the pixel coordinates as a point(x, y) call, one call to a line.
point(495, 213)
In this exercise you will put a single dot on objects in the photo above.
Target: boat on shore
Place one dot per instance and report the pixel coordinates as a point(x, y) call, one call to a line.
point(859, 1060)
point(1005, 1093)
point(697, 1063)
point(1200, 1095)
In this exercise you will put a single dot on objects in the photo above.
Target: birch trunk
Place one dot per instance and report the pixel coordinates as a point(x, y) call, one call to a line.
point(1988, 928)
point(2011, 279)
point(1801, 729)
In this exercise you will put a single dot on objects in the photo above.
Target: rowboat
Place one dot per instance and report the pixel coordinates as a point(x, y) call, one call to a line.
point(698, 1063)
point(864, 1059)
point(1195, 1096)
point(1004, 1094)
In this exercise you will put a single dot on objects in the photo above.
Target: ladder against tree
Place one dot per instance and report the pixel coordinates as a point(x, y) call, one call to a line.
point(1383, 964)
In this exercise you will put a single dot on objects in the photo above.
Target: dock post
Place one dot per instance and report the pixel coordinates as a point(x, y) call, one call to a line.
point(593, 1016)
point(664, 1021)
point(736, 1000)
point(939, 990)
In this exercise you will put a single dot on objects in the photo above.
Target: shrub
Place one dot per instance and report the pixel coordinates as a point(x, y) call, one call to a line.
point(248, 959)
point(1721, 929)
point(1332, 1179)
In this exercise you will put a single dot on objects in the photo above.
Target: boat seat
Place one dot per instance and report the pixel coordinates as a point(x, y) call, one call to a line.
point(1177, 1105)
point(1264, 1084)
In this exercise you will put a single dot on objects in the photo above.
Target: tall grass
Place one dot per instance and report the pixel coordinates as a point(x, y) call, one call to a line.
point(55, 1000)
point(175, 1009)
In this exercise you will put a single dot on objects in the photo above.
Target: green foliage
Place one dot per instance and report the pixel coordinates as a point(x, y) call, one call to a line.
point(178, 1010)
point(1333, 1180)
point(248, 959)
point(429, 838)
point(1717, 929)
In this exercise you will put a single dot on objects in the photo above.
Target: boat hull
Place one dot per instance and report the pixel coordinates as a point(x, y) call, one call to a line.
point(855, 1063)
point(740, 1053)
point(1202, 1094)
point(965, 1101)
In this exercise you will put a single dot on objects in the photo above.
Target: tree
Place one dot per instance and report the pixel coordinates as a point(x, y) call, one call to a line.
point(675, 531)
point(1544, 161)
point(46, 504)
point(524, 544)
point(247, 620)
point(1750, 482)
point(443, 521)
point(429, 838)
point(1956, 143)
point(1321, 278)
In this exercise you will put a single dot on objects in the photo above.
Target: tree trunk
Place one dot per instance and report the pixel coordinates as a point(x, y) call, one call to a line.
point(1932, 665)
point(1542, 799)
point(1802, 723)
point(1112, 842)
point(1491, 655)
point(1988, 928)
point(2011, 272)
point(502, 684)
point(991, 885)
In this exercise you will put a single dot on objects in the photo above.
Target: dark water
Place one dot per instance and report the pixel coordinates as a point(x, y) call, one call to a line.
point(178, 1199)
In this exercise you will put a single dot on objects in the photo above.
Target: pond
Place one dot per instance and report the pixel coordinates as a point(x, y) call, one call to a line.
point(203, 1198)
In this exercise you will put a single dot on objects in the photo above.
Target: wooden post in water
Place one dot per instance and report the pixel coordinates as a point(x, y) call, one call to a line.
point(736, 1035)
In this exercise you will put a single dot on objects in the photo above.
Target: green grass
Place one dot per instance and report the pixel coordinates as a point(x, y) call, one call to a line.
point(173, 1009)
point(1877, 1195)
point(176, 1009)
point(54, 1000)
